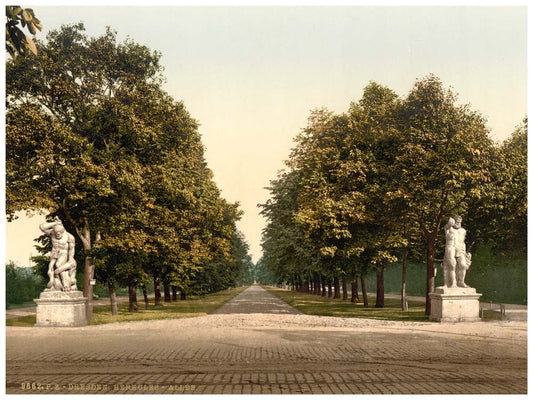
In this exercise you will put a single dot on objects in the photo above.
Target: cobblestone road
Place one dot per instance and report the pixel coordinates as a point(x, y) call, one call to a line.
point(257, 344)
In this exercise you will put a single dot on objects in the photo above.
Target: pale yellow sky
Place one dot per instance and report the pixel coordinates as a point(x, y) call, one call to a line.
point(250, 75)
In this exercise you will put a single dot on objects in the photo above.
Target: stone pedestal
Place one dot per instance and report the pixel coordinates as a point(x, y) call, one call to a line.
point(454, 304)
point(57, 308)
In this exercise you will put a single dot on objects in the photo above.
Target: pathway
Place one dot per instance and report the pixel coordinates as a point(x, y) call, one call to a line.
point(256, 300)
point(256, 344)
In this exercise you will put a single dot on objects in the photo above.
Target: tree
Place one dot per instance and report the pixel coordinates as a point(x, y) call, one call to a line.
point(443, 163)
point(344, 205)
point(74, 139)
point(287, 253)
point(510, 227)
point(378, 137)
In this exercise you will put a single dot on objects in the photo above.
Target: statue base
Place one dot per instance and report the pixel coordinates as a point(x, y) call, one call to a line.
point(454, 304)
point(57, 308)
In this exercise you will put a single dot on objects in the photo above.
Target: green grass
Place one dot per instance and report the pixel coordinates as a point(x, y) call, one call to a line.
point(491, 315)
point(28, 320)
point(318, 305)
point(194, 306)
point(26, 304)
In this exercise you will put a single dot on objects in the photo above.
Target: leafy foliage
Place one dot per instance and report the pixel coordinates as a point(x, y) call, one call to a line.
point(92, 137)
point(17, 42)
point(365, 187)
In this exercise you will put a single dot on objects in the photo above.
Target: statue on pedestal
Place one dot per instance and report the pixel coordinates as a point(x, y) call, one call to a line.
point(456, 259)
point(62, 267)
point(455, 301)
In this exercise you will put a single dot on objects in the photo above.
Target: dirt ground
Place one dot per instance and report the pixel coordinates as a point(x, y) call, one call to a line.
point(258, 344)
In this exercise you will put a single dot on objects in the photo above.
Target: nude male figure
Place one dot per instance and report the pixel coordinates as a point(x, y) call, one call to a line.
point(456, 259)
point(62, 267)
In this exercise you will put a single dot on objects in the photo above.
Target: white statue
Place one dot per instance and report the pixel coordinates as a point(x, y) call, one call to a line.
point(456, 259)
point(62, 267)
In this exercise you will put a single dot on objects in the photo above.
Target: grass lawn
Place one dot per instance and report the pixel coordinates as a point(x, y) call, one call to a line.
point(21, 305)
point(317, 305)
point(194, 306)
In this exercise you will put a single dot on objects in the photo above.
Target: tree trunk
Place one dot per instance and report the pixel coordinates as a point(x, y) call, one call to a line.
point(113, 298)
point(404, 276)
point(330, 289)
point(157, 292)
point(380, 286)
point(345, 288)
point(363, 289)
point(145, 296)
point(355, 293)
point(183, 296)
point(88, 269)
point(87, 287)
point(132, 298)
point(166, 290)
point(430, 278)
point(336, 288)
point(174, 293)
point(324, 288)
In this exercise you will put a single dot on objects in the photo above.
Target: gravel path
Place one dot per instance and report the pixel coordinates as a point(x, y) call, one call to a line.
point(258, 344)
point(256, 300)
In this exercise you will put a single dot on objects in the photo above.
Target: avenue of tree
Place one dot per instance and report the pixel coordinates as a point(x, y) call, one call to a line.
point(91, 137)
point(376, 184)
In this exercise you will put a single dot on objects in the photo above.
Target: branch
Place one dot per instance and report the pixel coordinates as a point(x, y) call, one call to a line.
point(444, 197)
point(422, 227)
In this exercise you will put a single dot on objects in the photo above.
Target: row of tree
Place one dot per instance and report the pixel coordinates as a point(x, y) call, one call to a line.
point(92, 138)
point(22, 284)
point(375, 185)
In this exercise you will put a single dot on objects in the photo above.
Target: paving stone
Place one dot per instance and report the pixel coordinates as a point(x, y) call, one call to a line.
point(232, 360)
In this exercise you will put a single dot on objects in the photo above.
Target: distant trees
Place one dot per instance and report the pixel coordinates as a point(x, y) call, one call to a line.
point(92, 137)
point(22, 284)
point(364, 187)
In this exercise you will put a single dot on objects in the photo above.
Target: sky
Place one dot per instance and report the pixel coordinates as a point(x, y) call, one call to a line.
point(251, 75)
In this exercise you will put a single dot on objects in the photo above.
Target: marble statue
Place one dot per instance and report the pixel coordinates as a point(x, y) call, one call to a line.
point(456, 259)
point(62, 267)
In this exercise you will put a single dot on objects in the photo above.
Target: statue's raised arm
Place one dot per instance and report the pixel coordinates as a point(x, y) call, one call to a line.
point(449, 224)
point(48, 227)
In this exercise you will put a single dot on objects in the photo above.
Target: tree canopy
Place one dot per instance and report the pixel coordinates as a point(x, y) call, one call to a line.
point(93, 138)
point(363, 186)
